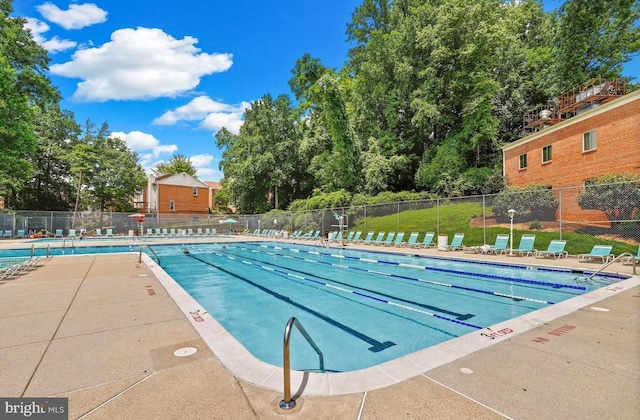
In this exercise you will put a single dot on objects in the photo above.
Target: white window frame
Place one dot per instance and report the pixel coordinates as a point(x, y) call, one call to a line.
point(520, 166)
point(547, 147)
point(195, 191)
point(172, 205)
point(589, 138)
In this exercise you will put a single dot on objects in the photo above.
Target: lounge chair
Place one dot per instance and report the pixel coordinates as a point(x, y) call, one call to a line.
point(199, 231)
point(456, 242)
point(526, 245)
point(20, 234)
point(427, 241)
point(630, 260)
point(149, 231)
point(190, 231)
point(172, 232)
point(356, 237)
point(412, 241)
point(214, 232)
point(367, 239)
point(58, 233)
point(555, 250)
point(350, 236)
point(98, 232)
point(603, 252)
point(378, 239)
point(499, 247)
point(6, 234)
point(399, 241)
point(72, 233)
point(109, 233)
point(389, 240)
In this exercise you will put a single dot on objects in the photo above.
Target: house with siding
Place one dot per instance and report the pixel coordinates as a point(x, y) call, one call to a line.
point(592, 131)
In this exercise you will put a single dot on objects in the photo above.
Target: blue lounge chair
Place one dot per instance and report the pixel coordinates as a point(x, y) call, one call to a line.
point(378, 239)
point(389, 240)
point(630, 260)
point(412, 241)
point(356, 237)
point(190, 231)
point(367, 239)
point(526, 245)
point(58, 233)
point(20, 234)
point(399, 240)
point(199, 231)
point(499, 247)
point(555, 250)
point(427, 241)
point(350, 236)
point(98, 232)
point(603, 252)
point(72, 233)
point(456, 242)
point(6, 234)
point(109, 233)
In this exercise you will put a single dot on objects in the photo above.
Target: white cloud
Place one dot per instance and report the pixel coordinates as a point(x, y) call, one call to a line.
point(77, 16)
point(209, 174)
point(140, 142)
point(53, 45)
point(204, 171)
point(201, 160)
point(212, 114)
point(140, 63)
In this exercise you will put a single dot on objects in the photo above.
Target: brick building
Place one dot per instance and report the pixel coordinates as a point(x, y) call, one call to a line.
point(602, 138)
point(175, 194)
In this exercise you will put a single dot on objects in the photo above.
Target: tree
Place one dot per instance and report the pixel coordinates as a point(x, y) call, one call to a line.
point(107, 173)
point(23, 85)
point(616, 195)
point(594, 39)
point(49, 188)
point(177, 164)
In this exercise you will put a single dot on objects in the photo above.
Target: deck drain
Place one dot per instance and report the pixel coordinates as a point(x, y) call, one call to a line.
point(598, 308)
point(466, 370)
point(185, 351)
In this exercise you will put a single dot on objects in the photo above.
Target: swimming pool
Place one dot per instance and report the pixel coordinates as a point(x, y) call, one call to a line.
point(361, 308)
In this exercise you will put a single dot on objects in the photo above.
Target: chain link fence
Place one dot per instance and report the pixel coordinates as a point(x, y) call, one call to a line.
point(583, 216)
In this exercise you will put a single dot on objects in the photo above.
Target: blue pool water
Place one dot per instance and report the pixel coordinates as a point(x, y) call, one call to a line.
point(361, 308)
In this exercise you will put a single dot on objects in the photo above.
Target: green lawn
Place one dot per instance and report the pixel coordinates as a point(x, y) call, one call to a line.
point(455, 218)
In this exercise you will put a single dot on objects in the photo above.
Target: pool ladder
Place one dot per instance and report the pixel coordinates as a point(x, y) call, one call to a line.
point(625, 254)
point(152, 251)
point(288, 403)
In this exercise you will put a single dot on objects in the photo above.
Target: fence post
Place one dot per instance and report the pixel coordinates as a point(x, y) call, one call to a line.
point(560, 212)
point(438, 216)
point(365, 217)
point(398, 218)
point(484, 221)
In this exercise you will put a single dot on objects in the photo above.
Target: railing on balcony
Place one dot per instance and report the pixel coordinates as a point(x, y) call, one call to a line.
point(541, 117)
point(586, 95)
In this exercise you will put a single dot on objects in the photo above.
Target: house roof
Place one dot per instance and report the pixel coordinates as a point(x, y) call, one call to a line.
point(214, 185)
point(182, 179)
point(629, 97)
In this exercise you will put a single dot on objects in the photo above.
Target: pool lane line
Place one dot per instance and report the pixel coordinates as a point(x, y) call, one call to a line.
point(457, 315)
point(436, 283)
point(376, 346)
point(424, 267)
point(277, 270)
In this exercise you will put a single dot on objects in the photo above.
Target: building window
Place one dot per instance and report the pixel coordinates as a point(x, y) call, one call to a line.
point(589, 141)
point(195, 192)
point(523, 161)
point(172, 205)
point(546, 154)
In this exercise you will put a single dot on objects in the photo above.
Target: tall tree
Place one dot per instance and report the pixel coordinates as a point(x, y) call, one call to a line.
point(177, 164)
point(23, 84)
point(594, 39)
point(107, 173)
point(49, 188)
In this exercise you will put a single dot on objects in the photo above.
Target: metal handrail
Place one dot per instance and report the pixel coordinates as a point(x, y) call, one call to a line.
point(627, 254)
point(152, 251)
point(288, 403)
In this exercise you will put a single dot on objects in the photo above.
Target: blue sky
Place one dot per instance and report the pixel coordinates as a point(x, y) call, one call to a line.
point(167, 75)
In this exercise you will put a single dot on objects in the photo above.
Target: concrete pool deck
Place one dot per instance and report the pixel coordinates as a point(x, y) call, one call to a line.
point(102, 330)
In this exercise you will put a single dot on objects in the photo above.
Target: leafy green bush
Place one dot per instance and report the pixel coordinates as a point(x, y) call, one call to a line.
point(616, 195)
point(533, 202)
